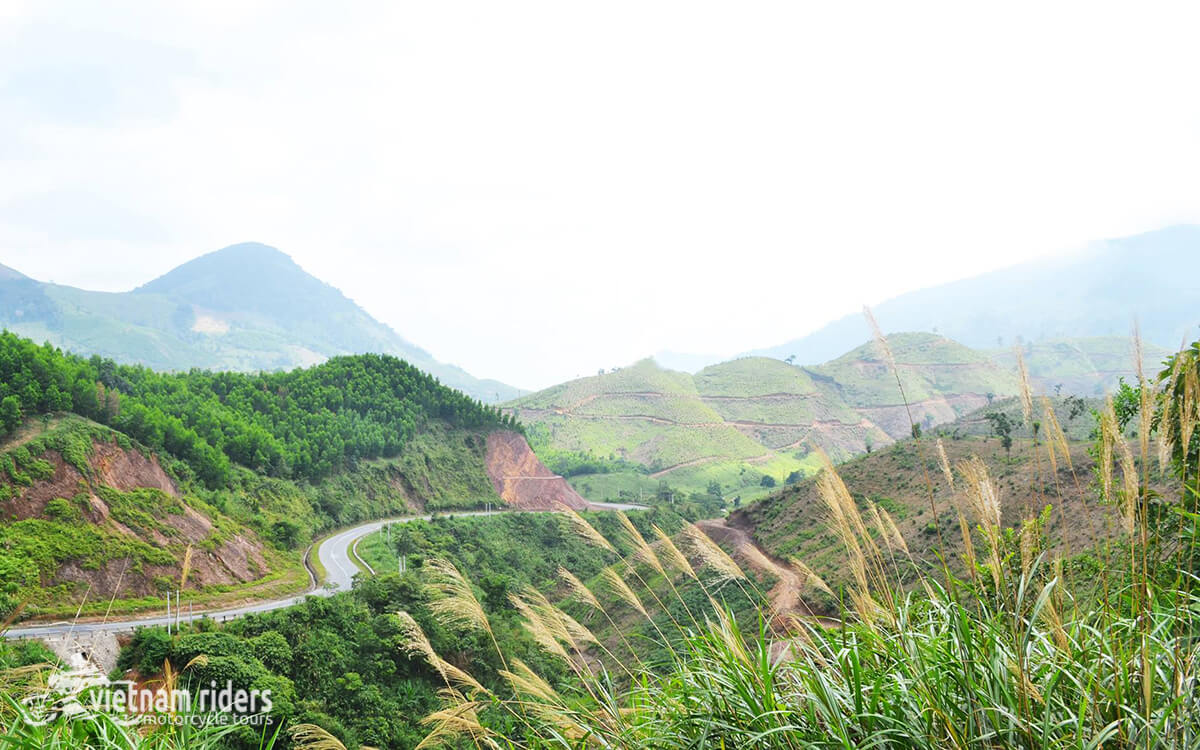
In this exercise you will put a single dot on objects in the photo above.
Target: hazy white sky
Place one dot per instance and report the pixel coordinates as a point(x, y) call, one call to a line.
point(533, 191)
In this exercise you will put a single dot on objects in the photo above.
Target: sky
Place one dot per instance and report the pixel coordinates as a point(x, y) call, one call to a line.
point(534, 191)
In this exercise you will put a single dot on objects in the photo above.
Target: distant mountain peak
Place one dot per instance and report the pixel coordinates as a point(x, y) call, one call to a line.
point(246, 266)
point(10, 274)
point(247, 306)
point(249, 251)
point(1096, 291)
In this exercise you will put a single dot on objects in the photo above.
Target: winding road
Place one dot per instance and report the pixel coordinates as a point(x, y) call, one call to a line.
point(335, 556)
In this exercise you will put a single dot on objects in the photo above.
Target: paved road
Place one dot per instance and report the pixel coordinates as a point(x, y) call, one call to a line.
point(333, 552)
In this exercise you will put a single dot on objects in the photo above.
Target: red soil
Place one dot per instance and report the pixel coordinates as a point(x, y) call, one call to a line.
point(521, 480)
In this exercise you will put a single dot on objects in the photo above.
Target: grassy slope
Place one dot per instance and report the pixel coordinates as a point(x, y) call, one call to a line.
point(652, 417)
point(737, 421)
point(794, 522)
point(930, 368)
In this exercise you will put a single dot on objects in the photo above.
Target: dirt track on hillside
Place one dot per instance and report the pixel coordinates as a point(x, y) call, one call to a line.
point(784, 596)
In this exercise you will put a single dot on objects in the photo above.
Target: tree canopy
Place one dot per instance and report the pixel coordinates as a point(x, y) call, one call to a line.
point(305, 423)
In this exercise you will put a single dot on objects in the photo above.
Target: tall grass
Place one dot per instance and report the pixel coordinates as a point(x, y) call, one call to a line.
point(1005, 654)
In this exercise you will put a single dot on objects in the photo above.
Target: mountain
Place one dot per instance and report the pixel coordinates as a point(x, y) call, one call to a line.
point(942, 379)
point(1098, 292)
point(753, 422)
point(246, 307)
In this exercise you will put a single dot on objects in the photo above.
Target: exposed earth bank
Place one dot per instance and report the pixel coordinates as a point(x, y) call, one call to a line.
point(521, 479)
point(131, 502)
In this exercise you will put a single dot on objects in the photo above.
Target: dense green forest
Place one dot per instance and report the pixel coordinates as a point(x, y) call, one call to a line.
point(307, 423)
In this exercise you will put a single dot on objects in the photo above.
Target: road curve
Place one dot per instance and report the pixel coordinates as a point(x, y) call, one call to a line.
point(333, 553)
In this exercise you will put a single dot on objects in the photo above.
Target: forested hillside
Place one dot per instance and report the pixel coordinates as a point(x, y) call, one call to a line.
point(109, 473)
point(306, 423)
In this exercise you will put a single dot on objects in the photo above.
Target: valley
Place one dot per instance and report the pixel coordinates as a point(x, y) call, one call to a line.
point(376, 547)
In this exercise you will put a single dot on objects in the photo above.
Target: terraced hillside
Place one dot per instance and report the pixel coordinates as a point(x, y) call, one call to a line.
point(942, 379)
point(752, 423)
point(1083, 366)
point(652, 420)
point(785, 408)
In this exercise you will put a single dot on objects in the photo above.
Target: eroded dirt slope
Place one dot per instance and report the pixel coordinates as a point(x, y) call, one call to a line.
point(160, 518)
point(521, 479)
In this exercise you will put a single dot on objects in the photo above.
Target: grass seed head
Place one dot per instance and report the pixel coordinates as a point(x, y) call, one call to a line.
point(1026, 393)
point(579, 589)
point(642, 550)
point(711, 554)
point(674, 556)
point(455, 604)
point(585, 530)
point(944, 462)
point(617, 585)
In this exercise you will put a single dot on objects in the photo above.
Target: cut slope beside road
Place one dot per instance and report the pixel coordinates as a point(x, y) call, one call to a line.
point(334, 555)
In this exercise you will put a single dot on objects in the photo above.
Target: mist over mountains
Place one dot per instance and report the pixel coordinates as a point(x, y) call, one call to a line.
point(1097, 292)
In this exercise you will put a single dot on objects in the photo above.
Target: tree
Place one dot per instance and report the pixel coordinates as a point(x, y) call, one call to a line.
point(790, 359)
point(714, 488)
point(1076, 406)
point(767, 481)
point(1002, 428)
point(1126, 403)
point(664, 493)
point(10, 413)
point(794, 477)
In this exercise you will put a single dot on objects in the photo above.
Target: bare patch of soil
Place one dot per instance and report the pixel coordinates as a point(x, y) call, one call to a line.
point(234, 559)
point(522, 480)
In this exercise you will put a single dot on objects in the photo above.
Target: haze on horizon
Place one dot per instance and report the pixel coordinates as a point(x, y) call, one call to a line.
point(535, 191)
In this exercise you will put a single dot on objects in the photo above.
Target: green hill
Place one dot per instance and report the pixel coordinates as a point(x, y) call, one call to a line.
point(794, 522)
point(737, 422)
point(784, 407)
point(942, 379)
point(246, 307)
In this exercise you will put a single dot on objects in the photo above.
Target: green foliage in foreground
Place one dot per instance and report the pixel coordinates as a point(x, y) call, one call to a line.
point(1008, 657)
point(341, 663)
